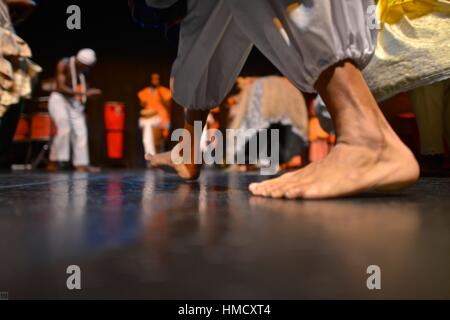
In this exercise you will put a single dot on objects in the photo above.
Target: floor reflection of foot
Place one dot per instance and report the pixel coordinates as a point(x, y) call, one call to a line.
point(164, 160)
point(349, 169)
point(87, 169)
point(185, 191)
point(349, 220)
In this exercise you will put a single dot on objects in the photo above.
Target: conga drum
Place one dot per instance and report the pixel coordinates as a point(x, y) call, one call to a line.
point(114, 114)
point(22, 130)
point(42, 128)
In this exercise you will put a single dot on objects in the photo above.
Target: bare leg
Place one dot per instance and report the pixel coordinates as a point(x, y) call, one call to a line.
point(187, 171)
point(368, 154)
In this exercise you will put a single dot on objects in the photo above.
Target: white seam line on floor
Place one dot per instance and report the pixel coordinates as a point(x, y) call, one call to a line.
point(47, 182)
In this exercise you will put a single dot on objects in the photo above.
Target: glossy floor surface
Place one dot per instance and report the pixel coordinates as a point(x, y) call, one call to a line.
point(144, 234)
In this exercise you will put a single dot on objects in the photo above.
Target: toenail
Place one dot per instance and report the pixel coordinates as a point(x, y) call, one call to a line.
point(289, 195)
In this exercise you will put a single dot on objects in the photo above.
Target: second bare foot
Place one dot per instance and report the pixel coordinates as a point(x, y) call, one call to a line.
point(164, 160)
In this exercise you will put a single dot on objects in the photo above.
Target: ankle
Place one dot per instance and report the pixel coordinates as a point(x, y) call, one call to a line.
point(367, 134)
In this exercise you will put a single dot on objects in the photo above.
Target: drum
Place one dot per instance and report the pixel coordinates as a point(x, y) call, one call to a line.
point(114, 142)
point(114, 114)
point(22, 130)
point(42, 128)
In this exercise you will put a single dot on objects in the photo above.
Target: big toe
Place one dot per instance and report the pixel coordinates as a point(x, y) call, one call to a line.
point(255, 188)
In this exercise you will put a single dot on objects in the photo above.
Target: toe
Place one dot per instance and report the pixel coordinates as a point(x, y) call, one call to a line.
point(255, 188)
point(278, 190)
point(295, 193)
point(277, 194)
point(268, 187)
point(312, 193)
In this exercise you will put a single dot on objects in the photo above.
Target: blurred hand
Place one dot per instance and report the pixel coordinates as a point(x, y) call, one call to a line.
point(93, 92)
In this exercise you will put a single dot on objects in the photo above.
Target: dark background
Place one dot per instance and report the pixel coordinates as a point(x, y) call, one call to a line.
point(127, 55)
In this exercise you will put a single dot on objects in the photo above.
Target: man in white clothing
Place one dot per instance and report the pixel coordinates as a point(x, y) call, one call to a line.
point(66, 107)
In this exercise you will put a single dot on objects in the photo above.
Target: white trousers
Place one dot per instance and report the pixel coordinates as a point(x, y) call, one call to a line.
point(300, 38)
point(71, 130)
point(148, 139)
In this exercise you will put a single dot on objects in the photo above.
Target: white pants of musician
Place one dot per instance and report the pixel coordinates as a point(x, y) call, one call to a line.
point(148, 139)
point(71, 131)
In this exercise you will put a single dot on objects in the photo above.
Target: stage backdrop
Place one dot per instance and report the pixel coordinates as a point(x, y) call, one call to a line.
point(127, 55)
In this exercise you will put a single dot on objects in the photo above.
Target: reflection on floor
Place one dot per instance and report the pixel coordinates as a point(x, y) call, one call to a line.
point(138, 234)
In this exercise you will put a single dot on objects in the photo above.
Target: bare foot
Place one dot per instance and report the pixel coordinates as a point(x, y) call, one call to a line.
point(87, 169)
point(368, 155)
point(164, 160)
point(349, 169)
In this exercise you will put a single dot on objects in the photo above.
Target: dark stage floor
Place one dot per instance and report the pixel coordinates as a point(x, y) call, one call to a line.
point(138, 234)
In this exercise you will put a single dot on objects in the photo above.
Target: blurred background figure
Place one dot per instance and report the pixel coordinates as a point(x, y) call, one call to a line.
point(272, 102)
point(67, 109)
point(321, 131)
point(431, 105)
point(210, 129)
point(17, 71)
point(156, 102)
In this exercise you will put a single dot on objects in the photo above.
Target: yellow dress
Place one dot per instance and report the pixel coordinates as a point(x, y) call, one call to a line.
point(392, 11)
point(413, 46)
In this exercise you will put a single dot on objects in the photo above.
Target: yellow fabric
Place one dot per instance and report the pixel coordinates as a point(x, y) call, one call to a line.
point(392, 11)
point(410, 54)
